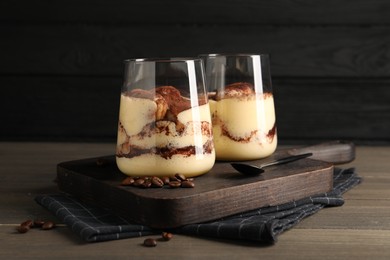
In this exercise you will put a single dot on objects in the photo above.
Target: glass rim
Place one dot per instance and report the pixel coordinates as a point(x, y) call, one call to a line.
point(163, 59)
point(234, 55)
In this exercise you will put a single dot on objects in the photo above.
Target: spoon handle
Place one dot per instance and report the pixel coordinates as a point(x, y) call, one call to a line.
point(287, 159)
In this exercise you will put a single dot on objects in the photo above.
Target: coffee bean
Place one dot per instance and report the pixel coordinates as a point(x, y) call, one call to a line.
point(173, 178)
point(174, 184)
point(22, 229)
point(138, 182)
point(28, 223)
point(187, 184)
point(157, 182)
point(48, 225)
point(150, 242)
point(127, 181)
point(180, 177)
point(146, 184)
point(165, 179)
point(166, 236)
point(38, 223)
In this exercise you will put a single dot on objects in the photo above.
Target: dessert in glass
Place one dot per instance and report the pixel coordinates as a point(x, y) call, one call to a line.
point(164, 123)
point(242, 105)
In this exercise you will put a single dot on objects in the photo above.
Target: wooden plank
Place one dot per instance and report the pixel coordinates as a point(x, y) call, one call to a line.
point(289, 12)
point(327, 243)
point(86, 108)
point(55, 107)
point(375, 169)
point(353, 212)
point(333, 108)
point(370, 189)
point(90, 49)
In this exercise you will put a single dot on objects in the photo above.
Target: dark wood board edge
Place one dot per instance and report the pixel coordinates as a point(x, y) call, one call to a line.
point(254, 196)
point(192, 209)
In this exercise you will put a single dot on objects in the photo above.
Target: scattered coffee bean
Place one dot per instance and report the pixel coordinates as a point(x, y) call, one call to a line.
point(166, 236)
point(187, 184)
point(22, 229)
point(180, 177)
point(150, 242)
point(174, 184)
point(165, 180)
point(173, 178)
point(157, 182)
point(138, 182)
point(127, 181)
point(28, 223)
point(146, 184)
point(48, 225)
point(38, 223)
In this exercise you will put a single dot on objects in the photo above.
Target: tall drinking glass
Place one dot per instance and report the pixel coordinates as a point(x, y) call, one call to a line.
point(164, 119)
point(242, 105)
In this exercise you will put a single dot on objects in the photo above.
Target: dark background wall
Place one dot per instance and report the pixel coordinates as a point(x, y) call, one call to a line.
point(61, 61)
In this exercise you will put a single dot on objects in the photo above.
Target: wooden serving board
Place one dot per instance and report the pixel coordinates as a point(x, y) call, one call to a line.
point(219, 193)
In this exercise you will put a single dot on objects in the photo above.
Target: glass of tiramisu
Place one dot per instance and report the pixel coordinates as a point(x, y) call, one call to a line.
point(164, 123)
point(242, 105)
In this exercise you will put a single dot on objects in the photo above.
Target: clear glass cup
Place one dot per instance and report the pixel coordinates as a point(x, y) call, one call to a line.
point(164, 119)
point(242, 105)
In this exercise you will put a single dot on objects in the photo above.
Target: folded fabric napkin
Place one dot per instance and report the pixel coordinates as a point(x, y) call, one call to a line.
point(94, 224)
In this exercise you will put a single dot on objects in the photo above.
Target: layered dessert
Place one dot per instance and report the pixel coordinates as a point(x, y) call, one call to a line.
point(244, 124)
point(160, 133)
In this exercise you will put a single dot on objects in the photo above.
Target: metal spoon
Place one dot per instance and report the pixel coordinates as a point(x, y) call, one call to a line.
point(248, 169)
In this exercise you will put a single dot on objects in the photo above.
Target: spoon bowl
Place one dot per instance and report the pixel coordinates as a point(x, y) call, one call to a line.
point(250, 169)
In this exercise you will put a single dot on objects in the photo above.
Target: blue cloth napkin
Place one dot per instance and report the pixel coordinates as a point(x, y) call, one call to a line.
point(94, 224)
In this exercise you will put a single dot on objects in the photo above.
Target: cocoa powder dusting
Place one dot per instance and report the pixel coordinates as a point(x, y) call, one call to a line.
point(270, 135)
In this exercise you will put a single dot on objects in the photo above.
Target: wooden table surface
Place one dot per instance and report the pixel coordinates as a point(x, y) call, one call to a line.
point(360, 229)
